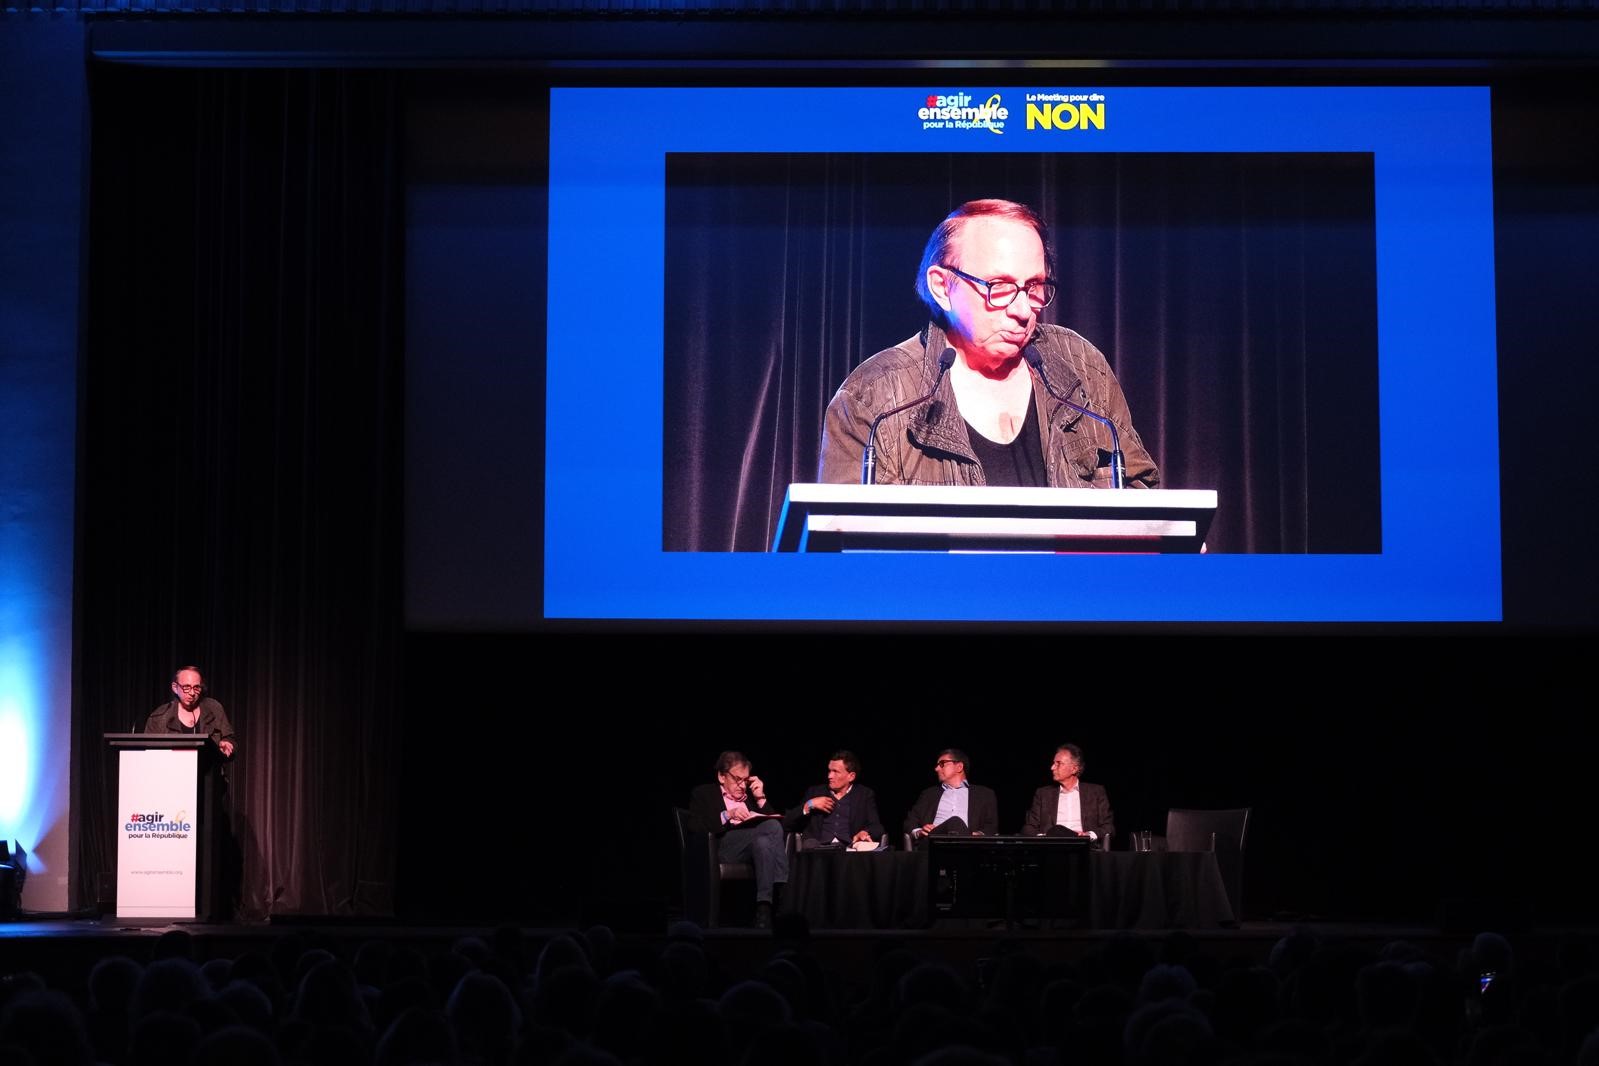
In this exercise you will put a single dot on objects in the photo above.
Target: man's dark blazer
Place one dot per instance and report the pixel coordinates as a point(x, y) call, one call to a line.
point(705, 809)
point(862, 804)
point(982, 809)
point(1097, 815)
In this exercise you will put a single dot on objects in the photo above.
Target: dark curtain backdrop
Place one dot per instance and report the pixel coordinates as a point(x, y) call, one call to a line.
point(1234, 295)
point(239, 472)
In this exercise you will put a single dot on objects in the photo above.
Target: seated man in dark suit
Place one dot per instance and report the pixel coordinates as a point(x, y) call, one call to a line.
point(734, 808)
point(1070, 805)
point(953, 806)
point(839, 812)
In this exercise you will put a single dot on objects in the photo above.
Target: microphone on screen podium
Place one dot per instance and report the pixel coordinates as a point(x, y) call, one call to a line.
point(869, 458)
point(1118, 462)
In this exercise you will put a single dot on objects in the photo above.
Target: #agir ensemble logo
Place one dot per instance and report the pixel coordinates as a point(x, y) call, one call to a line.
point(959, 111)
point(158, 823)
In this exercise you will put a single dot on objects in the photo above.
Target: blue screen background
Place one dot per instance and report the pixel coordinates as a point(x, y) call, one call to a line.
point(1437, 392)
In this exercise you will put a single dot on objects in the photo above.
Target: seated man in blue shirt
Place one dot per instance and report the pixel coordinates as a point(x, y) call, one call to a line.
point(839, 812)
point(953, 806)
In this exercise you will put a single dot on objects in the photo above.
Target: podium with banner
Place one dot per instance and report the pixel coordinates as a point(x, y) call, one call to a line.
point(158, 824)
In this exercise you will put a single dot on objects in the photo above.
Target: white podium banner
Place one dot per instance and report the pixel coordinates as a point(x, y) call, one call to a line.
point(157, 832)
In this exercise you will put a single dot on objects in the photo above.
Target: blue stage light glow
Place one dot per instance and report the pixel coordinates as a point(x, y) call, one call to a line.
point(44, 102)
point(19, 732)
point(35, 639)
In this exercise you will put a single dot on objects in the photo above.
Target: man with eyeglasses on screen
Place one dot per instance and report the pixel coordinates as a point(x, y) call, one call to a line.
point(954, 806)
point(986, 275)
point(193, 712)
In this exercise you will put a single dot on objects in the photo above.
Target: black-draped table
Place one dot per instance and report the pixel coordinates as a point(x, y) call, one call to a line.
point(858, 889)
point(1157, 890)
point(889, 890)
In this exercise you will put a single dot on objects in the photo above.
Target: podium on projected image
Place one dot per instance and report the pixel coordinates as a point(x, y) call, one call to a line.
point(166, 795)
point(839, 518)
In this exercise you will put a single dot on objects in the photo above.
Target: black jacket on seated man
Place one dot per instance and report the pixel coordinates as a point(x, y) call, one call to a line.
point(855, 812)
point(1093, 802)
point(982, 810)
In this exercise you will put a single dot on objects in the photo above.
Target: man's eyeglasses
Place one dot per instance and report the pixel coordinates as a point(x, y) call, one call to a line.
point(944, 762)
point(191, 688)
point(1000, 294)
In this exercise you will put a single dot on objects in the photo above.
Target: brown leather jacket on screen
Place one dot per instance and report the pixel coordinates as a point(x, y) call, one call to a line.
point(928, 444)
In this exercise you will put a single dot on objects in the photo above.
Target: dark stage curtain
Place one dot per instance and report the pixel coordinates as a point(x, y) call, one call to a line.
point(1234, 295)
point(240, 448)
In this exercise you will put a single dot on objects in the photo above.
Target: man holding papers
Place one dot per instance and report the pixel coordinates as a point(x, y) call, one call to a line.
point(734, 808)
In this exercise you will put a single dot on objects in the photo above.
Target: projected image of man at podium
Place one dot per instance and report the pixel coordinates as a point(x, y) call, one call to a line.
point(1070, 805)
point(991, 395)
point(954, 806)
point(193, 712)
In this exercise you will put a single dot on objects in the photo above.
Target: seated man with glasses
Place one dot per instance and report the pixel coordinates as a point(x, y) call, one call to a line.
point(193, 712)
point(985, 276)
point(735, 809)
point(954, 806)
